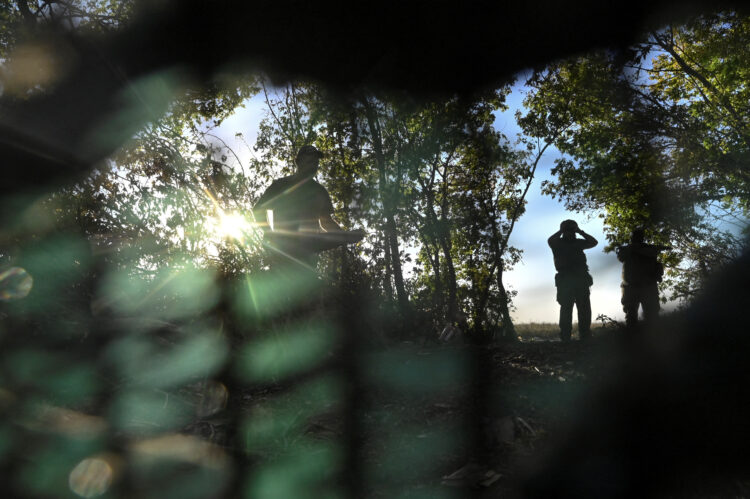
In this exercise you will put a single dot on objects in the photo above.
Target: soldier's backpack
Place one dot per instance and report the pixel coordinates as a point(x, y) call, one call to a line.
point(638, 269)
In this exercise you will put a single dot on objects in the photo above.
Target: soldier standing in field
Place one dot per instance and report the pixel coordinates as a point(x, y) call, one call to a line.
point(641, 274)
point(572, 279)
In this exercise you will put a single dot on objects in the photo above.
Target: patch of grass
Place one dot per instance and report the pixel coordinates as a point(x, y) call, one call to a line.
point(550, 331)
point(545, 330)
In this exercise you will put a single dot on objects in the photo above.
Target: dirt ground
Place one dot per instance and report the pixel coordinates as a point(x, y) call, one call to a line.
point(454, 420)
point(530, 393)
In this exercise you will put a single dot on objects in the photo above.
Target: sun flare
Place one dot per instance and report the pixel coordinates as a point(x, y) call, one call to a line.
point(233, 225)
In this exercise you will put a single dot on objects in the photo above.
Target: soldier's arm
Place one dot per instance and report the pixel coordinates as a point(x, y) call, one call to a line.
point(260, 215)
point(328, 224)
point(554, 239)
point(324, 208)
point(259, 210)
point(589, 241)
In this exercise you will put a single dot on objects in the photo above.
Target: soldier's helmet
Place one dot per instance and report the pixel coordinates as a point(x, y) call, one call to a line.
point(638, 235)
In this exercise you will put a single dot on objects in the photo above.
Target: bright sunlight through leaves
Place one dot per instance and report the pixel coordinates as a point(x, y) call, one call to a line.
point(233, 225)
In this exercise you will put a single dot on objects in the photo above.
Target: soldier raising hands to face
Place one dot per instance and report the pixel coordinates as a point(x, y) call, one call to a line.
point(572, 279)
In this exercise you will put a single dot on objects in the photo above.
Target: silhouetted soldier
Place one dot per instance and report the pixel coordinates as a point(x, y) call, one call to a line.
point(572, 279)
point(295, 207)
point(295, 215)
point(641, 273)
point(292, 212)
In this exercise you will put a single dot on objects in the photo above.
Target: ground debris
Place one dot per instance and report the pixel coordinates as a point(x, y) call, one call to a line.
point(472, 475)
point(526, 426)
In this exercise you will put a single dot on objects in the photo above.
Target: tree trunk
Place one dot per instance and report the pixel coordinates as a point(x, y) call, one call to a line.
point(508, 331)
point(398, 276)
point(391, 231)
point(442, 237)
point(434, 258)
point(481, 304)
point(445, 243)
point(387, 286)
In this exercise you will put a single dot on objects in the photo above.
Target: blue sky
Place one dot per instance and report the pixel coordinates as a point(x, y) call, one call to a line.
point(533, 277)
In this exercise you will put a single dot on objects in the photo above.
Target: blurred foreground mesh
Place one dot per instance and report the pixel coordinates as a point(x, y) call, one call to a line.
point(190, 383)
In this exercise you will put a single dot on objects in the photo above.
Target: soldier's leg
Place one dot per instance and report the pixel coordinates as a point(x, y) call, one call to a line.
point(583, 304)
point(650, 301)
point(566, 299)
point(630, 306)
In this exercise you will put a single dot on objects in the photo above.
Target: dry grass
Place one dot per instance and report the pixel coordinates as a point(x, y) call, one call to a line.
point(550, 331)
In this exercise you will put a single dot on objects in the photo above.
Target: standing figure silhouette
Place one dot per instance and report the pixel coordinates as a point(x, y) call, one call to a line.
point(572, 279)
point(293, 210)
point(641, 274)
point(295, 213)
